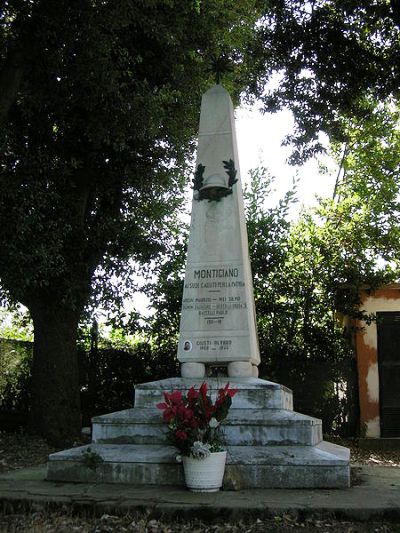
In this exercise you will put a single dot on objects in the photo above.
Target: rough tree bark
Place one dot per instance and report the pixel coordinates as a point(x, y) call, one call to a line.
point(10, 80)
point(55, 375)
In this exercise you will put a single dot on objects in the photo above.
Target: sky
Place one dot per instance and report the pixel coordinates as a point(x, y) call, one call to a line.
point(260, 137)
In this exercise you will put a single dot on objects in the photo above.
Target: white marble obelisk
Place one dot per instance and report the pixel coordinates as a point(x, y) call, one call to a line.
point(218, 325)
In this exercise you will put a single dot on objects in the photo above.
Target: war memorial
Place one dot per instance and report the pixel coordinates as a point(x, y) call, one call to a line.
point(268, 444)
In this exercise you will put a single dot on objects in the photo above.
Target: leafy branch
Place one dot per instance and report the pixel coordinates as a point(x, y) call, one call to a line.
point(198, 177)
point(229, 166)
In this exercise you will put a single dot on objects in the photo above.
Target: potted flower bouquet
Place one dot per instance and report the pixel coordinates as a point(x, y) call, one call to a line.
point(194, 423)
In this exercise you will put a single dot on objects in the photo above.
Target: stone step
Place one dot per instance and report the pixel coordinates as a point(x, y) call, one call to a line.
point(269, 445)
point(325, 466)
point(271, 427)
point(253, 393)
point(246, 427)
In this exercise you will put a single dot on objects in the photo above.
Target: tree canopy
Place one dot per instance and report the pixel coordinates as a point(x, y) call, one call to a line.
point(326, 60)
point(99, 104)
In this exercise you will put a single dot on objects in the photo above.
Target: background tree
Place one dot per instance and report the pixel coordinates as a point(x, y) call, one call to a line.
point(308, 273)
point(301, 344)
point(365, 203)
point(325, 57)
point(99, 104)
point(334, 63)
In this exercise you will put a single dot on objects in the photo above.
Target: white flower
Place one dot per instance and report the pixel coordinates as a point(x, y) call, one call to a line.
point(213, 423)
point(200, 450)
point(178, 458)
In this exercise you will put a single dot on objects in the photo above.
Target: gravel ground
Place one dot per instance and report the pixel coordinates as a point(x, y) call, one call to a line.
point(20, 451)
point(366, 457)
point(40, 522)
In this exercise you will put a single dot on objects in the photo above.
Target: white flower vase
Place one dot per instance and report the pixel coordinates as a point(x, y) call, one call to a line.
point(205, 475)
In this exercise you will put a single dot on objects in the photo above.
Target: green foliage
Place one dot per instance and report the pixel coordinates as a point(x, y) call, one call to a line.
point(301, 345)
point(107, 377)
point(308, 272)
point(91, 459)
point(360, 234)
point(108, 373)
point(15, 376)
point(367, 189)
point(16, 324)
point(165, 294)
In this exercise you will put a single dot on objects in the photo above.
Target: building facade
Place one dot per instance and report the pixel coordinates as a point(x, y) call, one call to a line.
point(378, 361)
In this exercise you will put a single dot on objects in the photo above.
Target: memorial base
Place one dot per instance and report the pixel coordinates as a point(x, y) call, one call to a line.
point(268, 444)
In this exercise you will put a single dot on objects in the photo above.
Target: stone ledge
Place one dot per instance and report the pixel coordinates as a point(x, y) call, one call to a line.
point(323, 466)
point(253, 392)
point(250, 427)
point(253, 417)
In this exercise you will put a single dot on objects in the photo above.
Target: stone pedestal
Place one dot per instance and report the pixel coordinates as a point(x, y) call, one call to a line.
point(269, 445)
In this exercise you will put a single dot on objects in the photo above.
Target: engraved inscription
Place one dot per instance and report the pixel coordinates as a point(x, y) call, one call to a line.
point(214, 299)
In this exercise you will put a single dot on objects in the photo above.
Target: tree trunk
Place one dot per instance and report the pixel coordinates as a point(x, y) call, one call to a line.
point(55, 375)
point(10, 81)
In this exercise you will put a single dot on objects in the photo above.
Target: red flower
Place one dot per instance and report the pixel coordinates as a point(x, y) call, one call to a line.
point(188, 416)
point(181, 435)
point(192, 394)
point(203, 390)
point(174, 397)
point(194, 424)
point(230, 392)
point(184, 413)
point(208, 408)
point(168, 415)
point(221, 399)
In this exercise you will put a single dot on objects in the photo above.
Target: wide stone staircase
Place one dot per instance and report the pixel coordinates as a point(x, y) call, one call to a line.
point(269, 445)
